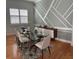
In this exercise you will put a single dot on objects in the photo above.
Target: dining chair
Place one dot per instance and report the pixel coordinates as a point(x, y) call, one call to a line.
point(18, 42)
point(45, 43)
point(23, 40)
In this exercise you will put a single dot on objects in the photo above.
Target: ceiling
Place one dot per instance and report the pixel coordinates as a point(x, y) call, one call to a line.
point(35, 1)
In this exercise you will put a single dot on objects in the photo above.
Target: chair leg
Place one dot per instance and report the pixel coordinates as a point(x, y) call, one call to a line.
point(31, 47)
point(42, 54)
point(35, 49)
point(49, 50)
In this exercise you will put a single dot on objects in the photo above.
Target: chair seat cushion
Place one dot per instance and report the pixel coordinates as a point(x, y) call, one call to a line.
point(39, 45)
point(24, 39)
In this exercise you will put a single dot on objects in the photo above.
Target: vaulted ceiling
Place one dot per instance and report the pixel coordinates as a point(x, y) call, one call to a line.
point(55, 13)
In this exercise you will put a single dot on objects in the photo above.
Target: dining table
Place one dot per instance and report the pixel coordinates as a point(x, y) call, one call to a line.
point(31, 42)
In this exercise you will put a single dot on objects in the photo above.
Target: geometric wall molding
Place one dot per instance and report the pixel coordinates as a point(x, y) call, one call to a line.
point(52, 8)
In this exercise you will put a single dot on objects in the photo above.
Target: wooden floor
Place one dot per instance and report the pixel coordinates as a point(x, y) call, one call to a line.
point(59, 50)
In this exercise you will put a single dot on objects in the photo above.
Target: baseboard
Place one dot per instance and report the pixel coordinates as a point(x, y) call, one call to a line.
point(63, 40)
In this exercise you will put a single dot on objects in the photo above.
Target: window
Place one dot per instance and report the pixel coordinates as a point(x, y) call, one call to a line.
point(24, 16)
point(18, 16)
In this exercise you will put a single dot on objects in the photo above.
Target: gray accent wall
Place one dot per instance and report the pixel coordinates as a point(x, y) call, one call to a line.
point(20, 5)
point(59, 16)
